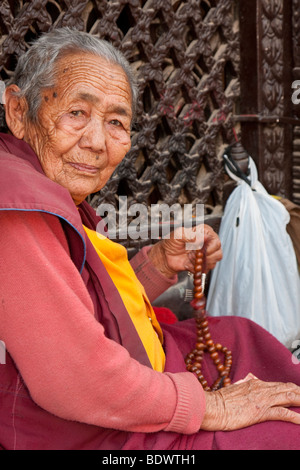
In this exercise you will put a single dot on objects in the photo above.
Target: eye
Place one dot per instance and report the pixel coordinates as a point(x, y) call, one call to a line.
point(77, 113)
point(116, 123)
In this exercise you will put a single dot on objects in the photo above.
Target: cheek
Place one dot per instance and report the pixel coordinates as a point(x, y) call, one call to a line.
point(117, 154)
point(119, 143)
point(63, 138)
point(71, 126)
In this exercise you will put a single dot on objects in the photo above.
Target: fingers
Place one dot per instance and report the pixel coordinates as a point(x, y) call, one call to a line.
point(281, 397)
point(282, 414)
point(252, 401)
point(285, 394)
point(183, 244)
point(194, 239)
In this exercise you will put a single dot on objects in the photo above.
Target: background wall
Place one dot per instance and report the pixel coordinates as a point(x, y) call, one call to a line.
point(210, 72)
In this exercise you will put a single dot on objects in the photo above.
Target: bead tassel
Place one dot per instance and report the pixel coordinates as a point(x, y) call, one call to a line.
point(204, 342)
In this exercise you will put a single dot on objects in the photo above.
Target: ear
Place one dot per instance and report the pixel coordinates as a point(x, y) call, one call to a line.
point(15, 111)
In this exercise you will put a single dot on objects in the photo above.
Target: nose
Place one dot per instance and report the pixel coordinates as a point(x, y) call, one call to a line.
point(94, 137)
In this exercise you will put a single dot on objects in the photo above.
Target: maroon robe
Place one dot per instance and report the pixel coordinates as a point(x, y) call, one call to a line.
point(23, 186)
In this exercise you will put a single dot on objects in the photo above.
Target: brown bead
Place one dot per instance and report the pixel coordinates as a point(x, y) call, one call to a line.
point(214, 355)
point(197, 290)
point(198, 304)
point(198, 266)
point(198, 275)
point(190, 356)
point(216, 385)
point(227, 382)
point(198, 295)
point(199, 357)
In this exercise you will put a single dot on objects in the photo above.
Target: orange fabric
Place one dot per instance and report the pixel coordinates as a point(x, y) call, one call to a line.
point(114, 258)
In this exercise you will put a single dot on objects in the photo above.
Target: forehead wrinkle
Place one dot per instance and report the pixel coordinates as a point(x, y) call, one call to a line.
point(72, 83)
point(71, 68)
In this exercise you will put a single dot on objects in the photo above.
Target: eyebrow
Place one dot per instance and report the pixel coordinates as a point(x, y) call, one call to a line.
point(89, 97)
point(115, 108)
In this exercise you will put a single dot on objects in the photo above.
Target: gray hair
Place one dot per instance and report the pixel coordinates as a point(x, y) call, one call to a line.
point(36, 68)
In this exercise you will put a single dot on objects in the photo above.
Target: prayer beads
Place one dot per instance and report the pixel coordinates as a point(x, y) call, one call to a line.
point(204, 343)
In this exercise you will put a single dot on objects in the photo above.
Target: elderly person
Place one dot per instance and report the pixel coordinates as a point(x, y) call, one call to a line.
point(88, 365)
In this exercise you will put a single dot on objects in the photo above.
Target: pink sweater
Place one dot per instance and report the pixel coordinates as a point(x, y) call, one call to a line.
point(70, 367)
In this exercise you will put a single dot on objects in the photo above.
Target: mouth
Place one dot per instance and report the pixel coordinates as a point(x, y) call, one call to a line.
point(82, 168)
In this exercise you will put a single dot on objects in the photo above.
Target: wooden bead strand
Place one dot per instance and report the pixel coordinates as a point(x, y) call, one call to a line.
point(204, 343)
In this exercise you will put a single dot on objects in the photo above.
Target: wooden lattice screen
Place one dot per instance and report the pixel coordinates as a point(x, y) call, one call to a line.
point(186, 56)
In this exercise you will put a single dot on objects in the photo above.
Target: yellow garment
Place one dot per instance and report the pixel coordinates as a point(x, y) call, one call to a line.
point(115, 260)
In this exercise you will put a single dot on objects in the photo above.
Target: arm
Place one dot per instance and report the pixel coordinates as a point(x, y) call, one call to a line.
point(70, 368)
point(150, 276)
point(157, 266)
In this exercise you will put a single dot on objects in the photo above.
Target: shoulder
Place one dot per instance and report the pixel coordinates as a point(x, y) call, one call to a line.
point(25, 229)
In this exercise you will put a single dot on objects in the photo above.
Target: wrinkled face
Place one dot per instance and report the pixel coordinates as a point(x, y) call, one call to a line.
point(83, 129)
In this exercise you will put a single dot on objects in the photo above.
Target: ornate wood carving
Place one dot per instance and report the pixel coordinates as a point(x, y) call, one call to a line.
point(272, 95)
point(296, 108)
point(267, 110)
point(186, 56)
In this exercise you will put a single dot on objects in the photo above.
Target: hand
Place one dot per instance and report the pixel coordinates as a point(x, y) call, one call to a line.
point(174, 254)
point(250, 402)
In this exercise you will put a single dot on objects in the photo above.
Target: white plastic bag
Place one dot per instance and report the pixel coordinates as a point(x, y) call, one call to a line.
point(258, 277)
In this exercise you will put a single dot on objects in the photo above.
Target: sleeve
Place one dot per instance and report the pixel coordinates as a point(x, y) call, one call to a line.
point(70, 368)
point(154, 282)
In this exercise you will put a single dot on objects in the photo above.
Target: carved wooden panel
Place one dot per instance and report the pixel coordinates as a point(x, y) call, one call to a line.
point(266, 96)
point(186, 56)
point(272, 94)
point(296, 108)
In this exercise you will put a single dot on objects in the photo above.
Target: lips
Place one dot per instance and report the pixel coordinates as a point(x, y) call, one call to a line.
point(89, 169)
